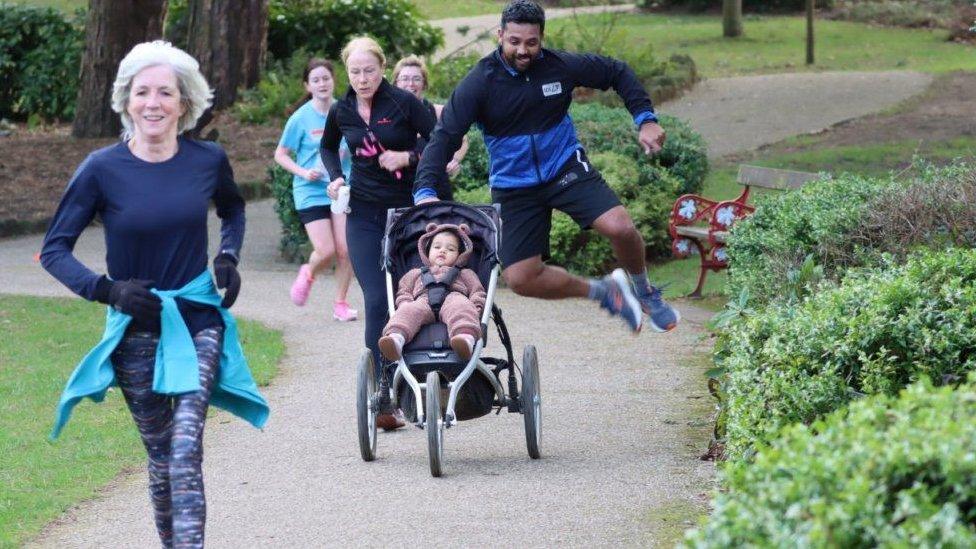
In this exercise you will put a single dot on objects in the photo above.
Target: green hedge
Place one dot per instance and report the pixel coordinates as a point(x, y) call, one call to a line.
point(40, 52)
point(876, 332)
point(294, 245)
point(849, 221)
point(886, 472)
point(326, 25)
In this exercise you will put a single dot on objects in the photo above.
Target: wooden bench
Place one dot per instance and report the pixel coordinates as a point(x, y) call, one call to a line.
point(701, 226)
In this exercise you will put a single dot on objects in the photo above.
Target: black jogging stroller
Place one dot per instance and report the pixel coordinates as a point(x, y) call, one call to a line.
point(433, 386)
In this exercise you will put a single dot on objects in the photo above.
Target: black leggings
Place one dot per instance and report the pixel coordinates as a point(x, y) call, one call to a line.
point(364, 236)
point(171, 429)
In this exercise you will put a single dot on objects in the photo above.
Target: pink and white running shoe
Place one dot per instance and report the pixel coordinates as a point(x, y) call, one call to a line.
point(302, 285)
point(342, 312)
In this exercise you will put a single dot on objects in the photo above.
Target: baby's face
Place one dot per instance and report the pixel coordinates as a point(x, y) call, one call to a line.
point(444, 249)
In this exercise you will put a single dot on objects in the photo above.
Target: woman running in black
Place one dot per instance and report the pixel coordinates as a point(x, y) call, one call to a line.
point(170, 343)
point(380, 124)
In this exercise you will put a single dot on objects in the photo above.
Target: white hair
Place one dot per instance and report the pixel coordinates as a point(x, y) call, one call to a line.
point(195, 94)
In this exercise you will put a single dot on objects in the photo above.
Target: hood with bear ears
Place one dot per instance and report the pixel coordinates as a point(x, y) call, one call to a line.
point(461, 231)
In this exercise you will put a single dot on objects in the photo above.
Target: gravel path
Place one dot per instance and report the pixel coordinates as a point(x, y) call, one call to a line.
point(742, 113)
point(617, 441)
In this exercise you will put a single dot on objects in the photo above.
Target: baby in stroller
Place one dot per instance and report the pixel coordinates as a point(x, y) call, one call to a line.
point(442, 289)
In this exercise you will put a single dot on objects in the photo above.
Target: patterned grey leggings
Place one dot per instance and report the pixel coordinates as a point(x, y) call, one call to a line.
point(172, 432)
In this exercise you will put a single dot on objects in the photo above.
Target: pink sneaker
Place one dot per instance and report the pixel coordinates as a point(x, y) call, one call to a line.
point(342, 312)
point(302, 285)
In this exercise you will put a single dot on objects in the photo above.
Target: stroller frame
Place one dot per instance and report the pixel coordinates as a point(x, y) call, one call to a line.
point(374, 398)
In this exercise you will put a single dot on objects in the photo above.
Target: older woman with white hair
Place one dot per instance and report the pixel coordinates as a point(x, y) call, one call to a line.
point(170, 343)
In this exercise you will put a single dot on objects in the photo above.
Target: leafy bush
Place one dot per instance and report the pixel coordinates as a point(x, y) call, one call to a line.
point(40, 51)
point(887, 472)
point(747, 5)
point(446, 74)
point(848, 221)
point(326, 25)
point(176, 28)
point(294, 244)
point(875, 332)
point(600, 129)
point(280, 88)
point(647, 191)
point(474, 168)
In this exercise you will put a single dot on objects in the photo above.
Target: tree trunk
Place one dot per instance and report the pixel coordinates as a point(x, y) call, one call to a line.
point(229, 38)
point(112, 29)
point(731, 18)
point(809, 32)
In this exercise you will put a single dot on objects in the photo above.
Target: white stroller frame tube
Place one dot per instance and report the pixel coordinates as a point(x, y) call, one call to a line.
point(475, 360)
point(401, 369)
point(473, 363)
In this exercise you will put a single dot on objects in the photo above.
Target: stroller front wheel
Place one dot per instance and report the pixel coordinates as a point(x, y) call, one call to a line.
point(435, 426)
point(531, 402)
point(365, 410)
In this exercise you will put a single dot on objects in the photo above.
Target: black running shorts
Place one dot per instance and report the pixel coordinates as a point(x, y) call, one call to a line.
point(579, 191)
point(314, 213)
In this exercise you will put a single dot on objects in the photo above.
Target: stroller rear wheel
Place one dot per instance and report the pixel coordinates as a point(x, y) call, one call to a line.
point(365, 409)
point(435, 427)
point(531, 402)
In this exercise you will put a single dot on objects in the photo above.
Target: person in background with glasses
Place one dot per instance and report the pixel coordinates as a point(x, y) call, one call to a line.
point(381, 124)
point(410, 73)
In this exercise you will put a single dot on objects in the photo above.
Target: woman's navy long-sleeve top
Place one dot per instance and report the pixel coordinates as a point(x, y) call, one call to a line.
point(155, 218)
point(396, 118)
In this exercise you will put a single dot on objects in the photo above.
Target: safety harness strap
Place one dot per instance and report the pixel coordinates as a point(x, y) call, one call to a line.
point(437, 290)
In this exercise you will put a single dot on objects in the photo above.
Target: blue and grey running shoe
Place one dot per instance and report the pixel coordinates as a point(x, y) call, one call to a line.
point(661, 315)
point(621, 301)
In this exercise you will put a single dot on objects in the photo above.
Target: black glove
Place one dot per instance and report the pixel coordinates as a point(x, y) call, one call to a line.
point(133, 298)
point(225, 271)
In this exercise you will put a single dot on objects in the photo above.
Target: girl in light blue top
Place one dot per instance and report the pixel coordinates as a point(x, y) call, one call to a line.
point(298, 152)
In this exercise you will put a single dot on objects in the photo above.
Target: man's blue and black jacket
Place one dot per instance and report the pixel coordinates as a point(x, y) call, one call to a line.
point(524, 117)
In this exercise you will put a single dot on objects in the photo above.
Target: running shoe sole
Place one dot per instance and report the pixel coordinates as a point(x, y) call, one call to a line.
point(620, 277)
point(672, 326)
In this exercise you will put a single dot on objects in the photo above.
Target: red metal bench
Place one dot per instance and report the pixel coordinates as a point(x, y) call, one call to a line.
point(701, 226)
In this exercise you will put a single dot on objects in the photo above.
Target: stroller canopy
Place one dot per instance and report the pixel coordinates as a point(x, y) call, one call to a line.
point(405, 226)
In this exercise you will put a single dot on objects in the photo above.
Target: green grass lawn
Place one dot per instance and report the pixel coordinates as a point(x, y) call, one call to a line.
point(43, 338)
point(777, 44)
point(442, 9)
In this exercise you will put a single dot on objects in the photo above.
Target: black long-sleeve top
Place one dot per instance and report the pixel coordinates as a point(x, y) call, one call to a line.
point(155, 218)
point(396, 118)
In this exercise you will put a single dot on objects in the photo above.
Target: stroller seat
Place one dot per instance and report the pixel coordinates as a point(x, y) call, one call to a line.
point(430, 350)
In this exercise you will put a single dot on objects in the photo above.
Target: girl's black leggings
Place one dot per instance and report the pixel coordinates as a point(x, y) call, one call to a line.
point(171, 428)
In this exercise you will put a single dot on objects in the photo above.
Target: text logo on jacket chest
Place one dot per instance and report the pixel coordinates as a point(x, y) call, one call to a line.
point(552, 88)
